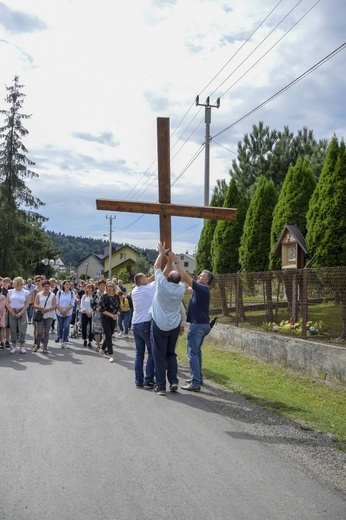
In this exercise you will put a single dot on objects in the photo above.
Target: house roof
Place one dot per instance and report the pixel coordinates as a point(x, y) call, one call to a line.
point(293, 230)
point(98, 257)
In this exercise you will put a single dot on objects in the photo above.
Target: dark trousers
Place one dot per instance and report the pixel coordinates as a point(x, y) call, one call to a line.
point(163, 345)
point(108, 325)
point(85, 321)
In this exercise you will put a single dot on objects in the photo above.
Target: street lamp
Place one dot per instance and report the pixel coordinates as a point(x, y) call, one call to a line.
point(86, 269)
point(47, 264)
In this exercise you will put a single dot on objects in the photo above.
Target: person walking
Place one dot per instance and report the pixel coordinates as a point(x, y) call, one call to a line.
point(124, 316)
point(45, 302)
point(198, 317)
point(86, 312)
point(110, 310)
point(96, 322)
point(65, 303)
point(17, 302)
point(165, 327)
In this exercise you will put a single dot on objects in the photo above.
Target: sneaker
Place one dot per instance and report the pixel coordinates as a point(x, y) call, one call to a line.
point(13, 350)
point(90, 345)
point(111, 359)
point(22, 350)
point(66, 345)
point(62, 345)
point(2, 346)
point(7, 345)
point(85, 343)
point(125, 336)
point(173, 388)
point(159, 392)
point(149, 384)
point(57, 340)
point(120, 335)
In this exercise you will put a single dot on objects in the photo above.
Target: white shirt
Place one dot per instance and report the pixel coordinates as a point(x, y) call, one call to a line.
point(42, 303)
point(85, 304)
point(17, 298)
point(64, 300)
point(166, 306)
point(142, 297)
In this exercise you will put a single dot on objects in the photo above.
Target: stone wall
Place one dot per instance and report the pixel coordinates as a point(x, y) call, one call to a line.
point(326, 362)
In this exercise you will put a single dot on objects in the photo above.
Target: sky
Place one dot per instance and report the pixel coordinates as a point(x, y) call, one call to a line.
point(97, 75)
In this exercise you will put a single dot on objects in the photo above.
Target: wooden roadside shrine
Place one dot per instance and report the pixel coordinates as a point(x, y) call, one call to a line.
point(164, 208)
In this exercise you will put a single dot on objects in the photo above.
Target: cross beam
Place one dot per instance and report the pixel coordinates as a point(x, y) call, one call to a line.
point(164, 208)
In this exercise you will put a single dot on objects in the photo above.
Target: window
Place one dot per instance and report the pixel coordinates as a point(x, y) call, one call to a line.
point(186, 264)
point(122, 256)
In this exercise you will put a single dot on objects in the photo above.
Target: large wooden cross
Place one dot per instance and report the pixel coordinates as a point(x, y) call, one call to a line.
point(164, 208)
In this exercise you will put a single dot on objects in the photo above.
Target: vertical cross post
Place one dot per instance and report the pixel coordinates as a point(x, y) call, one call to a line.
point(164, 174)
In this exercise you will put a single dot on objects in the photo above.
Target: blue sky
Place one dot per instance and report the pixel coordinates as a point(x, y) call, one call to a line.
point(97, 75)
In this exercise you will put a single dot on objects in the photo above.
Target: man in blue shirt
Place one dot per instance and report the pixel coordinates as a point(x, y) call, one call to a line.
point(198, 317)
point(165, 327)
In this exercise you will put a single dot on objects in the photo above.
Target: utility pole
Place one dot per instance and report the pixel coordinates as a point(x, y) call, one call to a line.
point(110, 249)
point(207, 120)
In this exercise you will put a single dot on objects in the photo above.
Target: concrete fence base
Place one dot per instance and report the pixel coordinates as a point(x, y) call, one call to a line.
point(326, 362)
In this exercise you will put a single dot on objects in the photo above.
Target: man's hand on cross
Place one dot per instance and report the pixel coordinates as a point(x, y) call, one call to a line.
point(162, 248)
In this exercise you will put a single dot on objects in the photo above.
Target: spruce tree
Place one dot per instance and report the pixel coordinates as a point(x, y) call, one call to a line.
point(203, 256)
point(255, 241)
point(227, 235)
point(292, 205)
point(326, 217)
point(21, 225)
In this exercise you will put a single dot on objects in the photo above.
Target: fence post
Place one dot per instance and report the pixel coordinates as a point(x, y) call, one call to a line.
point(237, 299)
point(304, 302)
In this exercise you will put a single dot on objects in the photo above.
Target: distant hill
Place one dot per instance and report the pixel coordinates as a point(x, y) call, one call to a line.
point(72, 249)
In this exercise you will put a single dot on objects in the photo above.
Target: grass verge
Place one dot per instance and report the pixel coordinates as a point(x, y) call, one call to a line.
point(313, 404)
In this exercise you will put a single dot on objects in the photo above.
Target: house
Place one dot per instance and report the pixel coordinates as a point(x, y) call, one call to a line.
point(188, 262)
point(59, 266)
point(123, 258)
point(92, 266)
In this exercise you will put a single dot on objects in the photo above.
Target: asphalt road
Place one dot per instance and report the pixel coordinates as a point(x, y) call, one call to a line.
point(80, 442)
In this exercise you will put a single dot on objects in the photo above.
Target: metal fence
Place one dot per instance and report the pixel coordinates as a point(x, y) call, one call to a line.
point(300, 302)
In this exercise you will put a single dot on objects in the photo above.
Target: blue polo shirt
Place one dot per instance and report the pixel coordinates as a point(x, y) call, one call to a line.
point(198, 309)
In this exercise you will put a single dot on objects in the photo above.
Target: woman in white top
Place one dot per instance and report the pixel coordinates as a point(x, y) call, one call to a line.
point(17, 302)
point(87, 313)
point(65, 302)
point(45, 301)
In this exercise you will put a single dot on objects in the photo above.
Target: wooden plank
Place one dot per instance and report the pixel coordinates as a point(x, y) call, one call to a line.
point(173, 210)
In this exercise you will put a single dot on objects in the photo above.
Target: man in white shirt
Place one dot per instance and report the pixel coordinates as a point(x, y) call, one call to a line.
point(142, 297)
point(165, 327)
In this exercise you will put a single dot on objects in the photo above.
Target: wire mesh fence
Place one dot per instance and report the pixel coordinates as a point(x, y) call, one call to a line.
point(301, 302)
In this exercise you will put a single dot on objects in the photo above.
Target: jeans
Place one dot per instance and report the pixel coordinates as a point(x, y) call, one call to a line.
point(164, 342)
point(124, 317)
point(64, 327)
point(195, 337)
point(141, 333)
point(30, 312)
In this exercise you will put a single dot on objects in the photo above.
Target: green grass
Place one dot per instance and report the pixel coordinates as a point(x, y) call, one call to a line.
point(315, 405)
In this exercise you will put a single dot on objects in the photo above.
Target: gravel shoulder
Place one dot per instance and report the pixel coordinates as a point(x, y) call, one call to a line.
point(313, 452)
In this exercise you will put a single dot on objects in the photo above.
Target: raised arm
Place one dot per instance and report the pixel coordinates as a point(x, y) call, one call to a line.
point(184, 275)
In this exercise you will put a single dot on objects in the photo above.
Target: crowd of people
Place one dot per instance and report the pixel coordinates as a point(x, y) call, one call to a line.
point(153, 311)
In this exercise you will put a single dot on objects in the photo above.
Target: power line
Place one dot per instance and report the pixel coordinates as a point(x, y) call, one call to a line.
point(299, 78)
